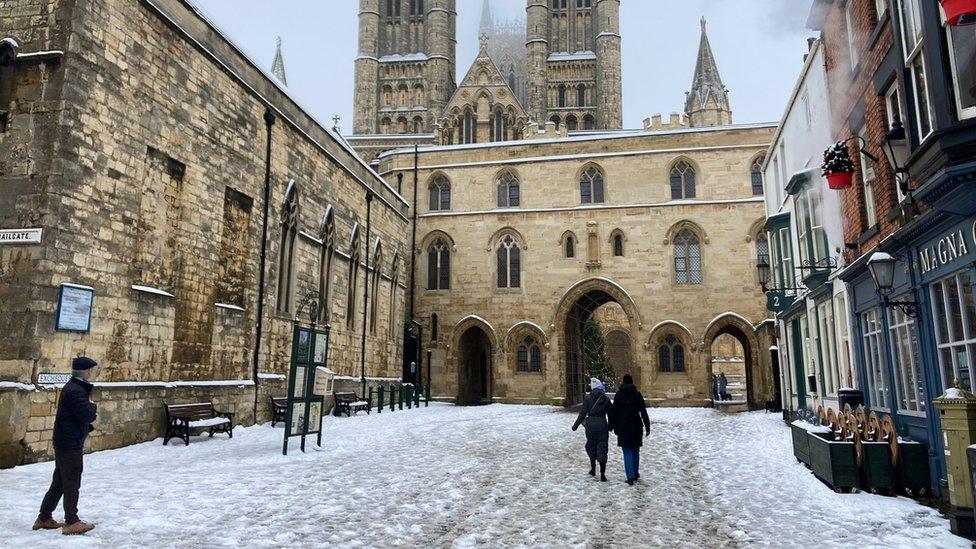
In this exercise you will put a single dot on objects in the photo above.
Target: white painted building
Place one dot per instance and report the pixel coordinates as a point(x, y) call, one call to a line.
point(806, 241)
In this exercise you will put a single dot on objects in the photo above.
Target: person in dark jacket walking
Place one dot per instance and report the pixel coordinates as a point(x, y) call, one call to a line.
point(71, 427)
point(629, 415)
point(596, 407)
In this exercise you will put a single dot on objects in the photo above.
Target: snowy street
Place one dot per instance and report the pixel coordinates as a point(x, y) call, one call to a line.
point(445, 476)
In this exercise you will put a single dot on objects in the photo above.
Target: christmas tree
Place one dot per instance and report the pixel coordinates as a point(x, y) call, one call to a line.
point(596, 361)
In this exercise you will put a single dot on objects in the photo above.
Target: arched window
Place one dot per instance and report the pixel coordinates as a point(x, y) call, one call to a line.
point(511, 78)
point(555, 120)
point(386, 126)
point(508, 191)
point(509, 263)
point(572, 124)
point(687, 259)
point(402, 124)
point(757, 175)
point(439, 266)
point(762, 249)
point(618, 244)
point(286, 249)
point(328, 235)
point(468, 127)
point(591, 186)
point(354, 257)
point(387, 96)
point(682, 181)
point(374, 306)
point(433, 327)
point(589, 123)
point(389, 7)
point(561, 92)
point(498, 126)
point(671, 355)
point(581, 95)
point(529, 356)
point(418, 124)
point(440, 194)
point(570, 247)
point(394, 279)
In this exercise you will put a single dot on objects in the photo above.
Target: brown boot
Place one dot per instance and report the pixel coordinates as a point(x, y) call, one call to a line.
point(79, 527)
point(47, 524)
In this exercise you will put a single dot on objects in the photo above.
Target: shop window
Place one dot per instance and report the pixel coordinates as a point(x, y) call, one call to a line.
point(828, 346)
point(955, 327)
point(909, 383)
point(874, 359)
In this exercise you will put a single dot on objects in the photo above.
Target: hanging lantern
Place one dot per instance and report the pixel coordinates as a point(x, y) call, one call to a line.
point(959, 12)
point(837, 166)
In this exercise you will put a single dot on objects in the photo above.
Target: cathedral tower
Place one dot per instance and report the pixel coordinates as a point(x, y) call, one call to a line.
point(406, 64)
point(707, 103)
point(573, 58)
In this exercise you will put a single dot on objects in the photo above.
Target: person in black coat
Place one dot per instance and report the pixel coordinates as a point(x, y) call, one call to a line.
point(630, 421)
point(71, 427)
point(594, 416)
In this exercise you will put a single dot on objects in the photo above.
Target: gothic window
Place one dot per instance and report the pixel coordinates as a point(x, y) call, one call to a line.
point(440, 194)
point(562, 95)
point(618, 244)
point(682, 181)
point(439, 266)
point(591, 186)
point(509, 263)
point(571, 123)
point(671, 355)
point(433, 327)
point(468, 127)
point(418, 95)
point(687, 259)
point(374, 306)
point(387, 96)
point(389, 7)
point(402, 124)
point(529, 356)
point(393, 291)
point(570, 247)
point(589, 123)
point(555, 120)
point(511, 78)
point(498, 126)
point(403, 96)
point(286, 249)
point(581, 95)
point(354, 257)
point(326, 260)
point(386, 126)
point(757, 176)
point(418, 124)
point(508, 191)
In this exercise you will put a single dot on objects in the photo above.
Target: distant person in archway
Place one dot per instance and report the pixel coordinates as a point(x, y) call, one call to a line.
point(722, 384)
point(594, 413)
point(628, 416)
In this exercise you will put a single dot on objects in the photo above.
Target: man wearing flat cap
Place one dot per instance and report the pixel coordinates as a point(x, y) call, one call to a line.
point(71, 427)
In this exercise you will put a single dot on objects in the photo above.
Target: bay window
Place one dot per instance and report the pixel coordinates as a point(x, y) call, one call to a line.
point(911, 25)
point(962, 52)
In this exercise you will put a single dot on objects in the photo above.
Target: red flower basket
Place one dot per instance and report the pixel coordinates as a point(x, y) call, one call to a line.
point(959, 12)
point(840, 180)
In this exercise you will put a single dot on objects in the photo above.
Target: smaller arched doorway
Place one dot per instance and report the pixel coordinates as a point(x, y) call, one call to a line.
point(474, 367)
point(733, 335)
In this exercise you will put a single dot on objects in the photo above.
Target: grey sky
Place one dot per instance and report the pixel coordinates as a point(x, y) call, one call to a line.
point(758, 44)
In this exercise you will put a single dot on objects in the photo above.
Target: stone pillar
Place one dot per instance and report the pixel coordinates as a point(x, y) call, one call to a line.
point(366, 93)
point(537, 58)
point(609, 97)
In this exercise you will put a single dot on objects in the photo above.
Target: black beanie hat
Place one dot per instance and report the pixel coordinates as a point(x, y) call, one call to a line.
point(83, 363)
point(628, 379)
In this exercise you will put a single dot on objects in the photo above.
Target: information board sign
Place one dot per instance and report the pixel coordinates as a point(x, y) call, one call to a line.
point(310, 351)
point(74, 308)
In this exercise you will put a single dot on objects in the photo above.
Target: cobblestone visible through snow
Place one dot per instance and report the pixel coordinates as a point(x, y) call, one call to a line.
point(445, 476)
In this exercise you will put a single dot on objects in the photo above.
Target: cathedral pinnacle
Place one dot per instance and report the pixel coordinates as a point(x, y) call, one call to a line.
point(487, 23)
point(278, 65)
point(707, 103)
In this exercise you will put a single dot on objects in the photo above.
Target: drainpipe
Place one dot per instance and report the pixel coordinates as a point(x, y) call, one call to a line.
point(269, 120)
point(362, 354)
point(413, 242)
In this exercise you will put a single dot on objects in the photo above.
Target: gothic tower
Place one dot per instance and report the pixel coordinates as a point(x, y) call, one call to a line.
point(506, 47)
point(707, 103)
point(278, 65)
point(406, 65)
point(573, 58)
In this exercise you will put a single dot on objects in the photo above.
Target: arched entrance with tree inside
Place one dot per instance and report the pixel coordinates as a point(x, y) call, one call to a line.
point(731, 343)
point(586, 349)
point(473, 350)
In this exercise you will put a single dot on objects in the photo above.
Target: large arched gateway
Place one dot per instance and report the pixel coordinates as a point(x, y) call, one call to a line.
point(576, 308)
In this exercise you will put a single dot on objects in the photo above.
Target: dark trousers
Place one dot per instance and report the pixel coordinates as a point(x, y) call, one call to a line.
point(66, 483)
point(632, 462)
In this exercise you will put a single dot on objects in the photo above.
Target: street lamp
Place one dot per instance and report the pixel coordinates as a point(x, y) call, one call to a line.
point(765, 274)
point(895, 146)
point(882, 268)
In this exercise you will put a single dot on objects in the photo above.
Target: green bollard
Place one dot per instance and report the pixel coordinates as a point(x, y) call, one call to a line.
point(402, 388)
point(427, 395)
point(409, 397)
point(416, 395)
point(379, 403)
point(393, 391)
point(369, 406)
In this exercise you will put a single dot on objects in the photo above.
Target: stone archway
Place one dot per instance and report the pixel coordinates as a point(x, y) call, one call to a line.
point(743, 332)
point(574, 310)
point(474, 367)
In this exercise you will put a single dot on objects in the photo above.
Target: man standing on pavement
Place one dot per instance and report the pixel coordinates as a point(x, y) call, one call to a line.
point(71, 427)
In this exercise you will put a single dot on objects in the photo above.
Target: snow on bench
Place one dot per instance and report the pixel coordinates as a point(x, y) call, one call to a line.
point(209, 422)
point(359, 403)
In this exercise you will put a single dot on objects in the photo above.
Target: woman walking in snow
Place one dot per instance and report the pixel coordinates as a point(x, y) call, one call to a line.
point(629, 415)
point(594, 412)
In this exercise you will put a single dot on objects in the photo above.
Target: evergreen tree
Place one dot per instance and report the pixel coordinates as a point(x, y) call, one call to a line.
point(596, 361)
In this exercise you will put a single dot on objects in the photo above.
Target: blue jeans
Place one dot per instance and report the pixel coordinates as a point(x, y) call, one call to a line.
point(632, 462)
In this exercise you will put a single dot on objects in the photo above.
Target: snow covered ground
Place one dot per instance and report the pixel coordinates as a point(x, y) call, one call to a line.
point(444, 476)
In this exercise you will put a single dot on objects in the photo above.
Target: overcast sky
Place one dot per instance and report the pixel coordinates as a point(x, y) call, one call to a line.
point(759, 46)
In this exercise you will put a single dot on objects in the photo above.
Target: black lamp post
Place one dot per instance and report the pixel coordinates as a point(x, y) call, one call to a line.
point(765, 274)
point(882, 268)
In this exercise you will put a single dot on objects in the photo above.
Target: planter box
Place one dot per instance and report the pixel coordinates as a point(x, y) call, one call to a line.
point(879, 474)
point(913, 468)
point(801, 444)
point(833, 462)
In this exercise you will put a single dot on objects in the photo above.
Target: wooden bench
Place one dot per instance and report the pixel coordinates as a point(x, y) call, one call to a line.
point(349, 403)
point(182, 418)
point(279, 407)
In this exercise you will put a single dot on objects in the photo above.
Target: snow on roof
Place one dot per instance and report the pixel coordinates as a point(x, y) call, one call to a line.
point(401, 58)
point(578, 56)
point(16, 386)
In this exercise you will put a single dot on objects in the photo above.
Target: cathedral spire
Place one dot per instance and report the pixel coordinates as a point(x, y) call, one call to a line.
point(487, 23)
point(707, 103)
point(278, 66)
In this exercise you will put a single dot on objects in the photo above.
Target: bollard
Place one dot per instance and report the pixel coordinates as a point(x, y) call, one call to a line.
point(409, 397)
point(402, 388)
point(379, 405)
point(369, 405)
point(393, 391)
point(416, 395)
point(427, 395)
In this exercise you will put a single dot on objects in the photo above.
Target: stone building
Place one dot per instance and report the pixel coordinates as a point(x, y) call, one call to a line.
point(506, 46)
point(133, 141)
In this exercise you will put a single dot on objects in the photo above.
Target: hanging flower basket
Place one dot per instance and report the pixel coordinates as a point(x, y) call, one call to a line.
point(837, 166)
point(959, 12)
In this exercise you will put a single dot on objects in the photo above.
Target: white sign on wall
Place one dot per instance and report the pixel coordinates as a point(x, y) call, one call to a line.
point(74, 308)
point(20, 236)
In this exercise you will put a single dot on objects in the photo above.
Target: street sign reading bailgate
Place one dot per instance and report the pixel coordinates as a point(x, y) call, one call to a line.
point(20, 236)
